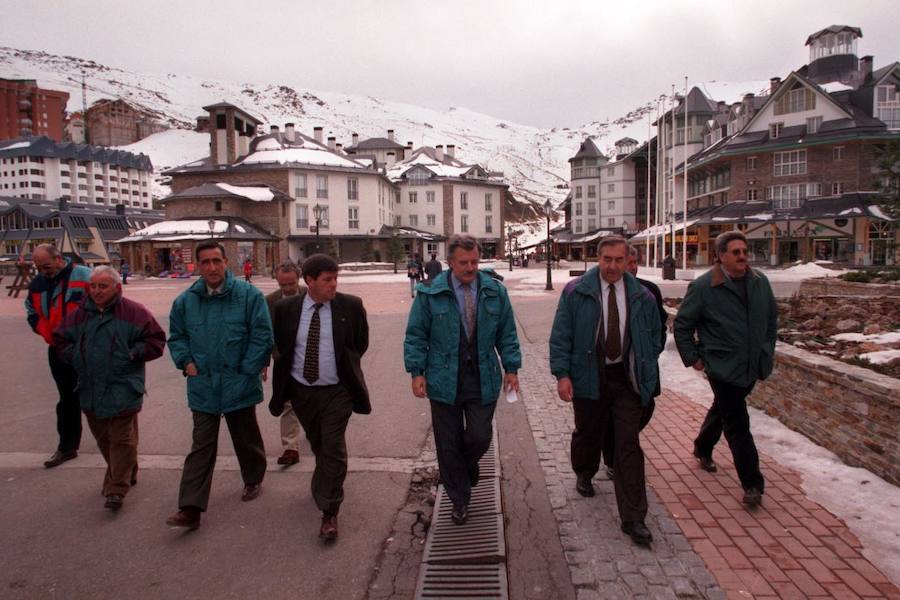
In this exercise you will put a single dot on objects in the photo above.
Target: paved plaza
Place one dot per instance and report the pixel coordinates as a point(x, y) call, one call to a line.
point(59, 542)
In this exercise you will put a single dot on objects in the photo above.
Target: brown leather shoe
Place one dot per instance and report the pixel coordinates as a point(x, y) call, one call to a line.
point(290, 457)
point(251, 492)
point(59, 457)
point(187, 517)
point(329, 529)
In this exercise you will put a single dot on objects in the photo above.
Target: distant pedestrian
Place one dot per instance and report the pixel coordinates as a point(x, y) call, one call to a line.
point(604, 347)
point(727, 327)
point(220, 336)
point(433, 268)
point(125, 270)
point(288, 277)
point(108, 340)
point(321, 336)
point(57, 290)
point(248, 270)
point(456, 328)
point(414, 273)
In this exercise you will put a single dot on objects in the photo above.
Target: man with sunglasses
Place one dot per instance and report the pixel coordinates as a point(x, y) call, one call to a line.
point(732, 311)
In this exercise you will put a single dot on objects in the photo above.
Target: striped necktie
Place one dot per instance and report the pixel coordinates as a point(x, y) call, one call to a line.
point(469, 300)
point(311, 358)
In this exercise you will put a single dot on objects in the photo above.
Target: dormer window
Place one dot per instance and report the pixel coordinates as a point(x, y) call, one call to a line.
point(796, 100)
point(418, 177)
point(775, 130)
point(887, 105)
point(813, 124)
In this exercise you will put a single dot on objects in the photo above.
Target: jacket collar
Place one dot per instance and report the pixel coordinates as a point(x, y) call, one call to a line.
point(590, 284)
point(199, 286)
point(719, 277)
point(441, 283)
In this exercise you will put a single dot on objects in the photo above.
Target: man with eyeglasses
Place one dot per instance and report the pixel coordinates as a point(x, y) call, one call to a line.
point(732, 311)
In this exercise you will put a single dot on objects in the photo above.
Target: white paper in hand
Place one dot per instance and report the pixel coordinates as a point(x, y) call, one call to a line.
point(511, 396)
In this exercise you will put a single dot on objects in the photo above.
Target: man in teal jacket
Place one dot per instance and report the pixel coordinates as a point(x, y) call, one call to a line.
point(220, 336)
point(603, 351)
point(733, 313)
point(456, 327)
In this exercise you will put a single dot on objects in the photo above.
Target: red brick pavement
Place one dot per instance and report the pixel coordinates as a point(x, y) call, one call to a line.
point(790, 547)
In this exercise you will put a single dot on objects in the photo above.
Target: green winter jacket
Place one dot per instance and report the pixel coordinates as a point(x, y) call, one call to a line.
point(736, 342)
point(431, 347)
point(229, 337)
point(573, 339)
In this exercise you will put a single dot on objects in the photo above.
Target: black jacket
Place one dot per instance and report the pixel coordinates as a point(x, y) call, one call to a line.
point(350, 331)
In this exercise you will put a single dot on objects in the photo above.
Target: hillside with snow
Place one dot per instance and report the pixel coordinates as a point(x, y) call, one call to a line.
point(533, 160)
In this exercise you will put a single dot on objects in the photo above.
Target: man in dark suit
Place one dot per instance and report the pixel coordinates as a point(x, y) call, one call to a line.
point(320, 336)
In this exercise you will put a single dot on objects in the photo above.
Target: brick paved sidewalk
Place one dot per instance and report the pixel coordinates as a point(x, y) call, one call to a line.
point(790, 547)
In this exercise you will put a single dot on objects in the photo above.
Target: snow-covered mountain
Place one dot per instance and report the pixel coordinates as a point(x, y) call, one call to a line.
point(534, 160)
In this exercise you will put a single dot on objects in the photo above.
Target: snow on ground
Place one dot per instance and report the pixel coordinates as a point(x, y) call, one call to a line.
point(878, 338)
point(882, 357)
point(858, 497)
point(171, 148)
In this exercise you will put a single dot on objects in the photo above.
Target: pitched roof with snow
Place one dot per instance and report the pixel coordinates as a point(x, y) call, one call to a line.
point(254, 192)
point(833, 29)
point(588, 149)
point(43, 146)
point(448, 168)
point(276, 148)
point(378, 143)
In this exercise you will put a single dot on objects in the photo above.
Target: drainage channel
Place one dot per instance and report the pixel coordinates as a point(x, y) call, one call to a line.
point(467, 561)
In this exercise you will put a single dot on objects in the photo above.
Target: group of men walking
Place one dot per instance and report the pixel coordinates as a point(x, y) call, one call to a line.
point(460, 348)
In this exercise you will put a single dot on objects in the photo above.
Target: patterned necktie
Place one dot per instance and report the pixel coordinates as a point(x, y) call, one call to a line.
point(613, 340)
point(311, 359)
point(469, 300)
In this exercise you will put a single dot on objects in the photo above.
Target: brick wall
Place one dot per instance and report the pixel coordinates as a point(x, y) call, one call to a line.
point(853, 412)
point(277, 178)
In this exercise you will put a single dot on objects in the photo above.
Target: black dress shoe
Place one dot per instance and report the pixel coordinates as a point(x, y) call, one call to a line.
point(460, 514)
point(251, 492)
point(59, 457)
point(329, 528)
point(706, 463)
point(584, 486)
point(638, 532)
point(752, 497)
point(186, 517)
point(114, 502)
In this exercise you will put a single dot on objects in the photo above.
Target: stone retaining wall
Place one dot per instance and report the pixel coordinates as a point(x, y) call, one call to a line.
point(832, 286)
point(854, 412)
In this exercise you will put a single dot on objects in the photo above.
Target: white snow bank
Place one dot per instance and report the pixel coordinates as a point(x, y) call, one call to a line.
point(879, 338)
point(257, 194)
point(172, 148)
point(882, 357)
point(301, 155)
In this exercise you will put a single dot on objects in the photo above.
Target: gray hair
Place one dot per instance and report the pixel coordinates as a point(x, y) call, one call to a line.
point(611, 240)
point(289, 266)
point(723, 239)
point(464, 241)
point(108, 271)
point(632, 250)
point(51, 250)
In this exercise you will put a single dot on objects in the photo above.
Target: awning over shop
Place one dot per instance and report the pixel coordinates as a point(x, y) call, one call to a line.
point(199, 229)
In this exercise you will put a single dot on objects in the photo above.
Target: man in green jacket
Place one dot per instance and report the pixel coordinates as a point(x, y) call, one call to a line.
point(604, 346)
point(220, 336)
point(107, 340)
point(456, 327)
point(732, 311)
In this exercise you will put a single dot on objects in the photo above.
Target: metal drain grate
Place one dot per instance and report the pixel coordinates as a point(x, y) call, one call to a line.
point(438, 582)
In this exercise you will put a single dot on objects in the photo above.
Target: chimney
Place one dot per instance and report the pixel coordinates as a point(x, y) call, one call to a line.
point(865, 68)
point(317, 134)
point(355, 139)
point(273, 129)
point(289, 132)
point(439, 152)
point(120, 210)
point(451, 150)
point(391, 134)
point(339, 147)
point(409, 145)
point(390, 159)
point(774, 84)
point(332, 142)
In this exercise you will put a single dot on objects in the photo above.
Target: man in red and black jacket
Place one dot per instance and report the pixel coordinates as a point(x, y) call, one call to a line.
point(57, 290)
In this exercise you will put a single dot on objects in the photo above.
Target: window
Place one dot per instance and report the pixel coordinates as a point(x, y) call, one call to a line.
point(837, 188)
point(751, 163)
point(610, 187)
point(413, 197)
point(837, 153)
point(464, 202)
point(464, 223)
point(397, 196)
point(578, 191)
point(488, 203)
point(813, 124)
point(611, 222)
point(577, 225)
point(321, 186)
point(792, 162)
point(887, 105)
point(611, 171)
point(430, 220)
point(397, 221)
point(217, 206)
point(488, 223)
point(418, 177)
point(352, 188)
point(752, 195)
point(413, 220)
point(353, 217)
point(775, 130)
point(429, 197)
point(592, 224)
point(798, 99)
point(592, 208)
point(302, 216)
point(592, 191)
point(578, 209)
point(611, 205)
point(791, 195)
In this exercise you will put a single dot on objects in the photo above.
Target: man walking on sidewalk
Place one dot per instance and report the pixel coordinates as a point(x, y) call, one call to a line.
point(56, 291)
point(288, 277)
point(220, 336)
point(732, 311)
point(456, 327)
point(108, 340)
point(321, 336)
point(604, 346)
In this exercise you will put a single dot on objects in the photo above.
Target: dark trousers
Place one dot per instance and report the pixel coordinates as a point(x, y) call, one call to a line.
point(68, 409)
point(323, 412)
point(117, 439)
point(728, 414)
point(462, 434)
point(609, 443)
point(618, 402)
point(196, 479)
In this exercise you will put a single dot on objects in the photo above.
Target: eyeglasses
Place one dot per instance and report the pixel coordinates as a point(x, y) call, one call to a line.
point(738, 251)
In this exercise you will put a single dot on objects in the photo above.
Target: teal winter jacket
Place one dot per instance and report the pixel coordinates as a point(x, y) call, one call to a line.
point(431, 347)
point(228, 336)
point(573, 339)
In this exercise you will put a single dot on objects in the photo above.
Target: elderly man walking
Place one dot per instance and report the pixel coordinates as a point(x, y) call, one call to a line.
point(604, 346)
point(456, 328)
point(58, 289)
point(220, 336)
point(727, 327)
point(108, 340)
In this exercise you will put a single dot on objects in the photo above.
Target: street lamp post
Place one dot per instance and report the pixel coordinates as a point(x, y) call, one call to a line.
point(510, 245)
point(317, 213)
point(547, 207)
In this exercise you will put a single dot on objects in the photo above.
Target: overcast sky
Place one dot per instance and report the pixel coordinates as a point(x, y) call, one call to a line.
point(551, 63)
